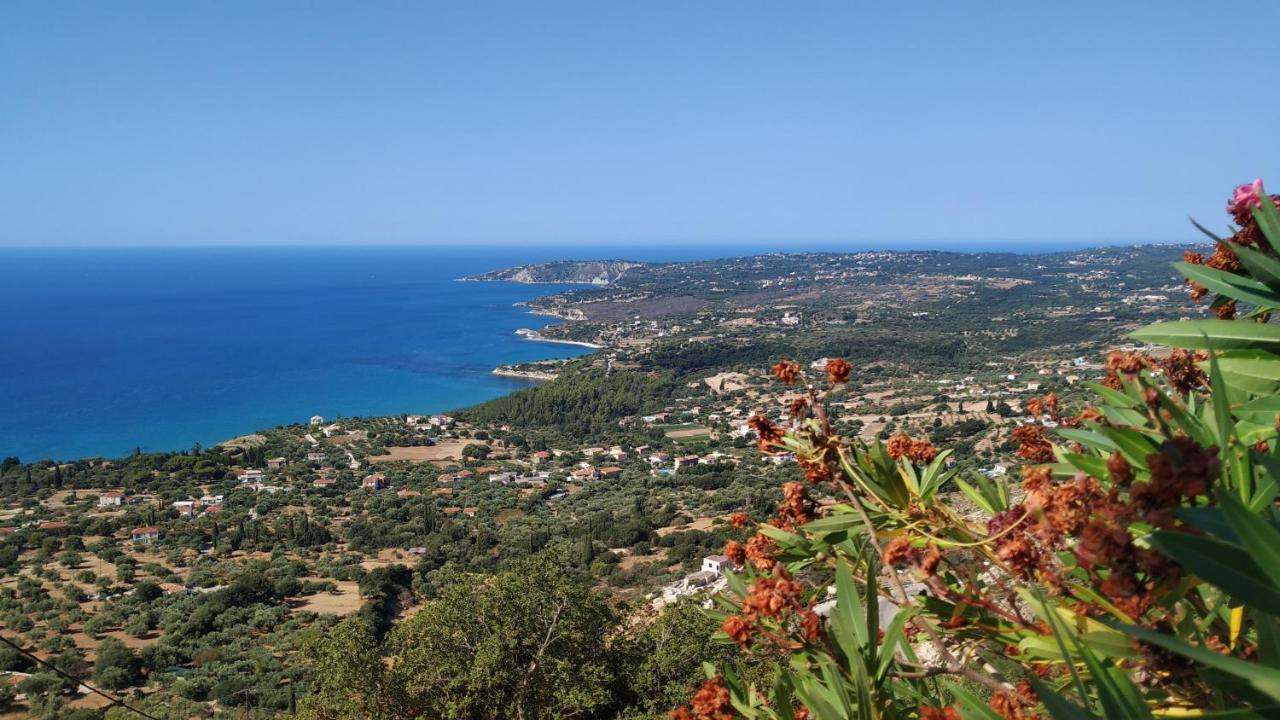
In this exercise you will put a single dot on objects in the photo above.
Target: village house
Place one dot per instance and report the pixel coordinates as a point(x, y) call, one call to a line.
point(686, 461)
point(276, 463)
point(250, 476)
point(658, 458)
point(315, 457)
point(502, 477)
point(322, 482)
point(717, 564)
point(541, 456)
point(317, 420)
point(185, 508)
point(463, 474)
point(611, 471)
point(586, 473)
point(376, 481)
point(111, 498)
point(470, 511)
point(145, 535)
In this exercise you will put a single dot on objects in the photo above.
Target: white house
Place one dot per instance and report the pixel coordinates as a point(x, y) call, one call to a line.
point(111, 498)
point(717, 564)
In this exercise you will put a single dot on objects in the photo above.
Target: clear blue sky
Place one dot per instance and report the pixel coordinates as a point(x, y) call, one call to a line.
point(530, 121)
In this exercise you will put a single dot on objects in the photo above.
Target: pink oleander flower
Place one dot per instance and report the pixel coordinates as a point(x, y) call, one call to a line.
point(1247, 196)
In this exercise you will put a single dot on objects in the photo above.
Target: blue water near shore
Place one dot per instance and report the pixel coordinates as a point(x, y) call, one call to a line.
point(105, 350)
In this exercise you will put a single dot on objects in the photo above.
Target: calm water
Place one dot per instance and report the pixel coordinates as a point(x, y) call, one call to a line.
point(102, 351)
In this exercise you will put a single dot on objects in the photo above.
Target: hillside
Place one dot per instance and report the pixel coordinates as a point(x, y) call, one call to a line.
point(590, 272)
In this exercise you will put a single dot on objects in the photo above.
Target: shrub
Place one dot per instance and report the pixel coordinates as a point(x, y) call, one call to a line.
point(1139, 575)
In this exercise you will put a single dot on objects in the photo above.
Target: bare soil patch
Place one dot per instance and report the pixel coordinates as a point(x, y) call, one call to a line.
point(344, 602)
point(444, 450)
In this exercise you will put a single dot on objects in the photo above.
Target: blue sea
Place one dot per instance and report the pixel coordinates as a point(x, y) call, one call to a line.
point(106, 350)
point(103, 350)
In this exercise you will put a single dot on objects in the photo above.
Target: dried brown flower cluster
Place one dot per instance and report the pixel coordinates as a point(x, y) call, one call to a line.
point(796, 507)
point(711, 702)
point(766, 432)
point(1182, 371)
point(1125, 364)
point(787, 372)
point(1033, 443)
point(777, 598)
point(920, 452)
point(838, 370)
point(1081, 516)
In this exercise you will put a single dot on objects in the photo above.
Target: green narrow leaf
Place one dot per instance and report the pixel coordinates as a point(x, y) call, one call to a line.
point(1210, 335)
point(1268, 221)
point(975, 496)
point(1265, 680)
point(1268, 630)
point(1259, 264)
point(783, 537)
point(1088, 464)
point(1113, 397)
point(1221, 405)
point(1205, 230)
point(1264, 410)
point(849, 610)
point(971, 708)
point(1132, 444)
point(1227, 566)
point(1088, 438)
point(1233, 286)
point(1257, 536)
point(1059, 707)
point(1256, 371)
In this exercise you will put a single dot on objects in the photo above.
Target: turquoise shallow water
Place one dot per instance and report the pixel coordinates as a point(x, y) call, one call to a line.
point(105, 350)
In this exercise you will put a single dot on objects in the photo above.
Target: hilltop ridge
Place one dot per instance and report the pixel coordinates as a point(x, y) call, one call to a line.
point(586, 272)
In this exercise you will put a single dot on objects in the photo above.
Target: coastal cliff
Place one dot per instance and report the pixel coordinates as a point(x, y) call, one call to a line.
point(587, 272)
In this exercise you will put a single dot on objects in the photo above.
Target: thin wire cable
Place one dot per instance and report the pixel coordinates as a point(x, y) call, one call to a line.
point(72, 678)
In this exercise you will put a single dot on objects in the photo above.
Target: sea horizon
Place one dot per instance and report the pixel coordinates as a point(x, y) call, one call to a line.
point(112, 349)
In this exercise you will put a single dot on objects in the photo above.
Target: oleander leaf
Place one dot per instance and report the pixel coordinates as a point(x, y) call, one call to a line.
point(1211, 335)
point(1225, 565)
